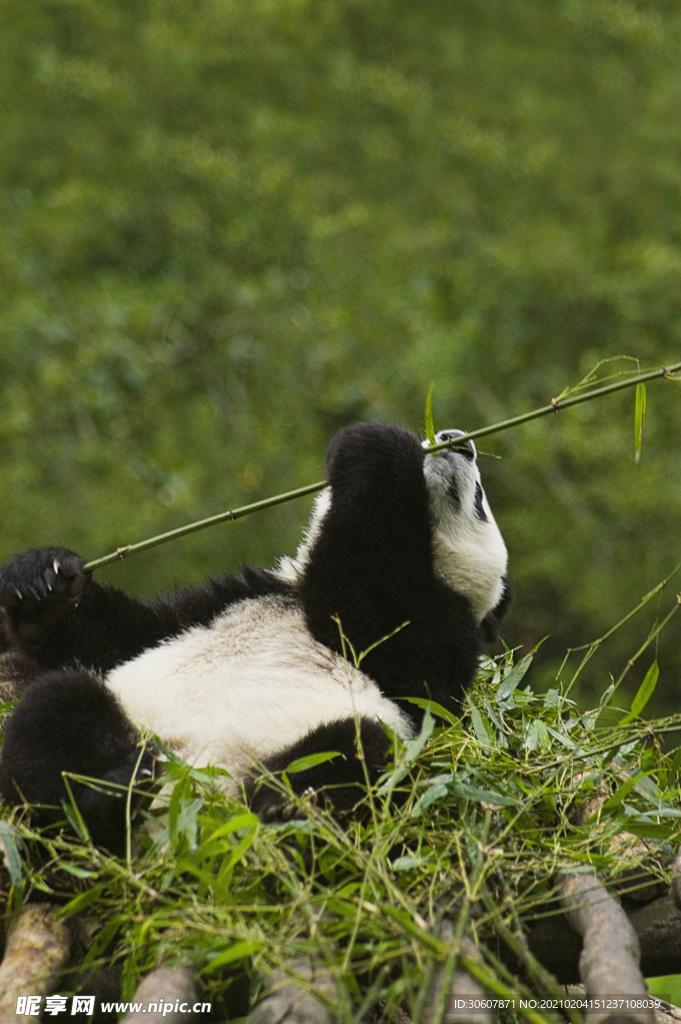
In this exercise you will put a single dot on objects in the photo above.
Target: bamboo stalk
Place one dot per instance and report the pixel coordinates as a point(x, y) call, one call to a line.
point(201, 524)
point(563, 403)
point(278, 499)
point(675, 890)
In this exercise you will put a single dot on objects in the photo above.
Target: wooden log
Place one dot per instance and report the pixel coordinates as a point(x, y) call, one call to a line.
point(287, 1001)
point(464, 991)
point(657, 926)
point(37, 951)
point(609, 960)
point(172, 990)
point(668, 1014)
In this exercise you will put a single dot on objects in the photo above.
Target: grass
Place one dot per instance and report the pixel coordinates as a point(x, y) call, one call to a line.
point(491, 805)
point(487, 816)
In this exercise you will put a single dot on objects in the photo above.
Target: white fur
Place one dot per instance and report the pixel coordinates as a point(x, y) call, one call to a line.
point(246, 687)
point(469, 554)
point(291, 569)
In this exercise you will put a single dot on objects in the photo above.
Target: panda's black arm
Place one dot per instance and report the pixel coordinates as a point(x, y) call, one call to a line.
point(57, 615)
point(341, 780)
point(370, 563)
point(489, 627)
point(371, 566)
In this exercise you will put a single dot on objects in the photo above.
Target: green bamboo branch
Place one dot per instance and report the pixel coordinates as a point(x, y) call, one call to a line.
point(496, 428)
point(201, 524)
point(562, 403)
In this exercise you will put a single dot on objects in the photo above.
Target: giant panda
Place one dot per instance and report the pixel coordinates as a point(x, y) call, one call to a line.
point(402, 562)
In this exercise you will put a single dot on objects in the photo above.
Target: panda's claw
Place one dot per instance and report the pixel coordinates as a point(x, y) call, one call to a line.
point(281, 812)
point(39, 576)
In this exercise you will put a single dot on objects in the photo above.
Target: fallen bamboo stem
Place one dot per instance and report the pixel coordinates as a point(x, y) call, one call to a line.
point(609, 961)
point(278, 499)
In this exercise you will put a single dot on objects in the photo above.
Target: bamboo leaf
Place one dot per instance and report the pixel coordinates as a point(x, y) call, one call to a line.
point(640, 411)
point(643, 694)
point(436, 709)
point(302, 764)
point(80, 902)
point(430, 429)
point(481, 727)
point(77, 872)
point(647, 830)
point(429, 797)
point(466, 792)
point(14, 865)
point(247, 820)
point(239, 951)
point(622, 792)
point(414, 747)
point(101, 941)
point(513, 679)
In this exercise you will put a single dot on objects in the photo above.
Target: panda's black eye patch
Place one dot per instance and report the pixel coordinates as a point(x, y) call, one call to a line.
point(479, 510)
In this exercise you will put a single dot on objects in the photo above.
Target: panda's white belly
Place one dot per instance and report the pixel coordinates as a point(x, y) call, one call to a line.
point(246, 687)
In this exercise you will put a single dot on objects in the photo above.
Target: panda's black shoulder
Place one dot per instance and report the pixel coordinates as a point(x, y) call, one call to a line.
point(260, 582)
point(200, 605)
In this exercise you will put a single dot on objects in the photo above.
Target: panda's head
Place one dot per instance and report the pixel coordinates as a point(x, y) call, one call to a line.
point(469, 553)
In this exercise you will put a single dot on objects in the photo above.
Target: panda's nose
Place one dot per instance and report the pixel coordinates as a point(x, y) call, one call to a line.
point(467, 448)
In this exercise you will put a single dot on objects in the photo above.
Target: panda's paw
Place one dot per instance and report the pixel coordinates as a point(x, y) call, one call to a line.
point(275, 808)
point(53, 575)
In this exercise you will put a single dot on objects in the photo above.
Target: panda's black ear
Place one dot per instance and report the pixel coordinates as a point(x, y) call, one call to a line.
point(489, 627)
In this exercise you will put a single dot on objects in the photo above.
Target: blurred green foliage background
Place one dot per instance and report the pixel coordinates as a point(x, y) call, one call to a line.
point(231, 226)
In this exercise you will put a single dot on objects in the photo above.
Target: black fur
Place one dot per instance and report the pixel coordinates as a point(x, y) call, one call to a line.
point(340, 779)
point(489, 627)
point(68, 721)
point(370, 567)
